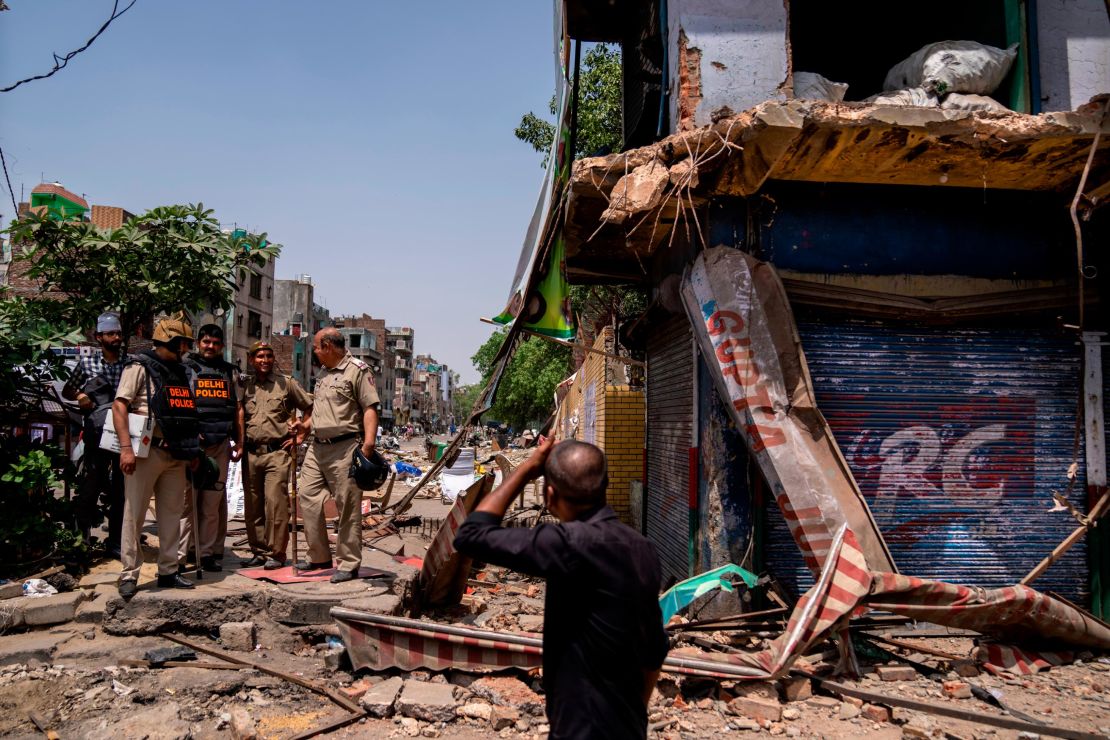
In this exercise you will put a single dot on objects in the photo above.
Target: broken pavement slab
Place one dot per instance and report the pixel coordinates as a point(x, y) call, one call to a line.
point(431, 702)
point(32, 646)
point(231, 599)
point(379, 698)
point(54, 609)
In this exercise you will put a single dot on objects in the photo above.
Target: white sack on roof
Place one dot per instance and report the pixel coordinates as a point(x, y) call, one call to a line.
point(812, 86)
point(911, 96)
point(952, 66)
point(967, 101)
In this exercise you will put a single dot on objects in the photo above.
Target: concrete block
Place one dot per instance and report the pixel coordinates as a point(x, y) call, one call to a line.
point(475, 710)
point(389, 604)
point(757, 708)
point(91, 611)
point(10, 590)
point(431, 702)
point(502, 717)
point(51, 609)
point(11, 615)
point(507, 691)
point(238, 636)
point(92, 580)
point(896, 673)
point(379, 699)
point(848, 711)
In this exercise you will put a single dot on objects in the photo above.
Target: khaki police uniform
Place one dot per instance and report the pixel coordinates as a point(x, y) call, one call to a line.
point(268, 406)
point(341, 396)
point(159, 474)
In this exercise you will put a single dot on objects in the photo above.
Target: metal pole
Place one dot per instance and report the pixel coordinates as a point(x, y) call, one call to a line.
point(196, 529)
point(293, 495)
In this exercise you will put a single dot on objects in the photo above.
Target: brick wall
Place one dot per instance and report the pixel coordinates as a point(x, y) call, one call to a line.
point(601, 409)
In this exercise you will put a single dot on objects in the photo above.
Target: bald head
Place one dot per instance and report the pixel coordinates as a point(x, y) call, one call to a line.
point(329, 346)
point(578, 472)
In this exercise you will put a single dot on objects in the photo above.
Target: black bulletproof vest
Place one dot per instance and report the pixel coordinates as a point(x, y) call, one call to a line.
point(214, 390)
point(173, 404)
point(102, 392)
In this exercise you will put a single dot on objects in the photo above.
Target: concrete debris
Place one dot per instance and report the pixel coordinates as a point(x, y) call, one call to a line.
point(378, 700)
point(431, 702)
point(640, 190)
point(238, 636)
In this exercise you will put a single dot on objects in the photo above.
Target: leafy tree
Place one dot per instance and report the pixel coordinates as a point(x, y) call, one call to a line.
point(463, 401)
point(170, 258)
point(525, 393)
point(599, 109)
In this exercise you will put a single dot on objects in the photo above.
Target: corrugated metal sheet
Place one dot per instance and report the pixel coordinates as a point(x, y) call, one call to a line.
point(957, 437)
point(670, 419)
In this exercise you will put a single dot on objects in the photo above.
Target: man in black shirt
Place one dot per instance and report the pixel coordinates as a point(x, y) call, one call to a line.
point(603, 637)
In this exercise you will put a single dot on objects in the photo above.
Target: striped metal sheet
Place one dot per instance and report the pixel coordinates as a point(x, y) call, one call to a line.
point(957, 437)
point(670, 419)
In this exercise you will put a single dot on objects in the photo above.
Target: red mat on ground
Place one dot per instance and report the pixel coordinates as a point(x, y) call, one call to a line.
point(288, 575)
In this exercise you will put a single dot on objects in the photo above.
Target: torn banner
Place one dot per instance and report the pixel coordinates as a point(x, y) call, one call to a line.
point(746, 333)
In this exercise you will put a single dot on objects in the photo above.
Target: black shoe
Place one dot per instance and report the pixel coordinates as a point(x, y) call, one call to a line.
point(274, 564)
point(342, 576)
point(174, 580)
point(127, 589)
point(254, 562)
point(304, 565)
point(209, 563)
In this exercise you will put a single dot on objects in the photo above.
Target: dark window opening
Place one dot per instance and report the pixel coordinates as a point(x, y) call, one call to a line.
point(256, 285)
point(355, 341)
point(858, 44)
point(254, 324)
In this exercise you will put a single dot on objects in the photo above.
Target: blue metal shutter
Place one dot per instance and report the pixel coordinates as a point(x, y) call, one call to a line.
point(670, 418)
point(957, 437)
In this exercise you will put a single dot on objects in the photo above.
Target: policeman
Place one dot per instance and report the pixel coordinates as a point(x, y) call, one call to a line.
point(214, 382)
point(270, 401)
point(155, 383)
point(344, 418)
point(93, 386)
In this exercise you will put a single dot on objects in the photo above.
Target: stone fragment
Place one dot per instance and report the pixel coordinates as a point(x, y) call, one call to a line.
point(914, 732)
point(848, 711)
point(502, 717)
point(758, 689)
point(852, 700)
point(238, 636)
point(956, 690)
point(824, 702)
point(796, 689)
point(91, 611)
point(378, 700)
point(684, 174)
point(410, 727)
point(896, 673)
point(875, 712)
point(791, 713)
point(531, 622)
point(474, 710)
point(431, 702)
point(965, 668)
point(242, 726)
point(508, 691)
point(51, 609)
point(901, 715)
point(757, 708)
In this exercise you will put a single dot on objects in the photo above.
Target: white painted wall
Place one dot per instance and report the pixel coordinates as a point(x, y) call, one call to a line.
point(1074, 45)
point(747, 38)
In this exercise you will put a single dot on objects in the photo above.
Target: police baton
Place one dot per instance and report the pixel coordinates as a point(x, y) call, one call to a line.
point(293, 495)
point(193, 514)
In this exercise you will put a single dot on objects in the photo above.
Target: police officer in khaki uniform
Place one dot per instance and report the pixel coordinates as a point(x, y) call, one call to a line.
point(344, 417)
point(270, 401)
point(155, 383)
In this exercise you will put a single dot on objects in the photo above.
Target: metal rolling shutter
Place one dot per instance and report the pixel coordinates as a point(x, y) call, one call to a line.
point(670, 419)
point(957, 438)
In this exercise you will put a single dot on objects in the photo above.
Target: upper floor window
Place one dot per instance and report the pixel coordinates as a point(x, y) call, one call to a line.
point(256, 285)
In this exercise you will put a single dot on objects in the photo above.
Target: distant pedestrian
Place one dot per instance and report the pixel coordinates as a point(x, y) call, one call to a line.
point(93, 386)
point(214, 382)
point(270, 403)
point(155, 383)
point(603, 637)
point(344, 418)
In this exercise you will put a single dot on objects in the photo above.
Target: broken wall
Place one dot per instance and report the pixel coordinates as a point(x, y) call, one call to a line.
point(734, 52)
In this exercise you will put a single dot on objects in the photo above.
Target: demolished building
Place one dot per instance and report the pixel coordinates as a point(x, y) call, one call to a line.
point(947, 323)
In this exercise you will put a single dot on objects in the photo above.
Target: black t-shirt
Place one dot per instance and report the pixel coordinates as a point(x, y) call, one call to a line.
point(602, 625)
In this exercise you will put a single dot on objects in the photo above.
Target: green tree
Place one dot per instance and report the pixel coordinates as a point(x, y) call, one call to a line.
point(599, 109)
point(170, 258)
point(463, 401)
point(525, 393)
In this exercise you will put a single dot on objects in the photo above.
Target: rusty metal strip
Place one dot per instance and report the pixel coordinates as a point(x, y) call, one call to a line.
point(944, 710)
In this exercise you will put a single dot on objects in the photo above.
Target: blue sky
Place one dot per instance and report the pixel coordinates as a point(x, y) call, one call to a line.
point(372, 139)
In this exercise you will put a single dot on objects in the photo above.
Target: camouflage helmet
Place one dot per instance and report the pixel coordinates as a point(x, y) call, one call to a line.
point(172, 327)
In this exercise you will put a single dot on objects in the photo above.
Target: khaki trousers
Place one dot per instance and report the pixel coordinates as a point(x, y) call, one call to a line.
point(325, 469)
point(163, 477)
point(211, 509)
point(266, 502)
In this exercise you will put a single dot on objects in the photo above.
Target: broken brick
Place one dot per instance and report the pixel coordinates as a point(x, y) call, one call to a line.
point(875, 712)
point(507, 691)
point(896, 673)
point(796, 689)
point(956, 690)
point(756, 708)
